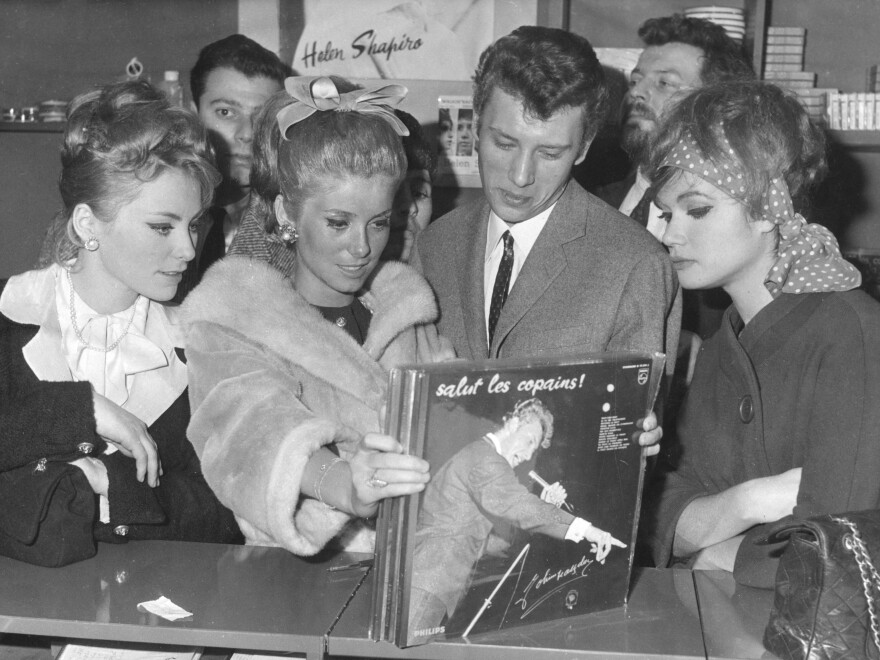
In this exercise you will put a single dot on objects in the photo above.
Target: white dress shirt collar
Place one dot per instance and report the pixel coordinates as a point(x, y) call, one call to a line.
point(525, 234)
point(656, 224)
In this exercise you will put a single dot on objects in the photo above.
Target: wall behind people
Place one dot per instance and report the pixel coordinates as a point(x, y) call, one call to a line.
point(58, 49)
point(55, 50)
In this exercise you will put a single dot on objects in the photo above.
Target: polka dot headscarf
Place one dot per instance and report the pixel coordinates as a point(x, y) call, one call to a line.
point(809, 258)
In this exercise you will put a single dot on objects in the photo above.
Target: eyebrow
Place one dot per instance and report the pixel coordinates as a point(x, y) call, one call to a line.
point(501, 133)
point(226, 101)
point(669, 71)
point(683, 196)
point(349, 214)
point(692, 193)
point(173, 216)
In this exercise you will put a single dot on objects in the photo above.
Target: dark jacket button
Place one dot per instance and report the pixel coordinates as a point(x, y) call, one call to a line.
point(746, 409)
point(85, 447)
point(121, 530)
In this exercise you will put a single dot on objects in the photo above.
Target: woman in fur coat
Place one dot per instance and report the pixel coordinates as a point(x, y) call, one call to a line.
point(289, 359)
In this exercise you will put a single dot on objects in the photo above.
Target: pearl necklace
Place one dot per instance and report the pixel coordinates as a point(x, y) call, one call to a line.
point(79, 335)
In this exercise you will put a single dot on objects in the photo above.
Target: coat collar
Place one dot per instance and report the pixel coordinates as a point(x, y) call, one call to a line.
point(546, 261)
point(775, 324)
point(256, 301)
point(469, 264)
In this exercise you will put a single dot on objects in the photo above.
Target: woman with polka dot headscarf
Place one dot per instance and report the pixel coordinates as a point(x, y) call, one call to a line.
point(782, 415)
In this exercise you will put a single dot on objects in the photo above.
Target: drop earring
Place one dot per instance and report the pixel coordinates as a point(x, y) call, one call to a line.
point(287, 232)
point(92, 244)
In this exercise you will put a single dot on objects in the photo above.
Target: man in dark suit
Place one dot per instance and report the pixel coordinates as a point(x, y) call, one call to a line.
point(681, 54)
point(231, 80)
point(538, 265)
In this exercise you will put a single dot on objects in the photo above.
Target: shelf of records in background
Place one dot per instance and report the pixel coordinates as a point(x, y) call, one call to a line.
point(851, 116)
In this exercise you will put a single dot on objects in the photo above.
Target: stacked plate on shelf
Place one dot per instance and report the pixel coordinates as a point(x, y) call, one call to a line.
point(52, 110)
point(732, 19)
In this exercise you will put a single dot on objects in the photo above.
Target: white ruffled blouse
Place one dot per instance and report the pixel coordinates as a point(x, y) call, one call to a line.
point(143, 374)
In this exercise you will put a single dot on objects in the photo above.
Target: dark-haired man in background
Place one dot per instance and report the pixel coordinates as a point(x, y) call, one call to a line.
point(230, 82)
point(681, 54)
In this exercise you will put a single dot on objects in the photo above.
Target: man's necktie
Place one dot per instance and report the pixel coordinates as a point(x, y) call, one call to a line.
point(502, 282)
point(641, 210)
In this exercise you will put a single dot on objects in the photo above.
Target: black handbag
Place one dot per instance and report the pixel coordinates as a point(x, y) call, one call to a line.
point(48, 514)
point(827, 588)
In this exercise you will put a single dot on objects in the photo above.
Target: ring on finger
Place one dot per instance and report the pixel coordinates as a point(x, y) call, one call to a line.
point(375, 482)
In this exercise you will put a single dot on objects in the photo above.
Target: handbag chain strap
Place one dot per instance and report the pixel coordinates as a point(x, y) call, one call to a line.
point(855, 543)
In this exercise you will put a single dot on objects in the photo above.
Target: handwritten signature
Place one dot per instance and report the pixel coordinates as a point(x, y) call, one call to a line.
point(559, 578)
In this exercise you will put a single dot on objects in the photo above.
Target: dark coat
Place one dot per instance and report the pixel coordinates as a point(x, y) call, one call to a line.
point(799, 387)
point(50, 420)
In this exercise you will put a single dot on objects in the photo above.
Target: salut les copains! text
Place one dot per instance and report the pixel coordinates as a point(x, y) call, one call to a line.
point(363, 44)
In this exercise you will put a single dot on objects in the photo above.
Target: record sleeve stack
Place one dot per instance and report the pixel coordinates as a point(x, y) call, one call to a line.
point(858, 111)
point(873, 82)
point(732, 19)
point(784, 66)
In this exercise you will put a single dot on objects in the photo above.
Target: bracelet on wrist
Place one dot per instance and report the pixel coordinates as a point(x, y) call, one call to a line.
point(319, 480)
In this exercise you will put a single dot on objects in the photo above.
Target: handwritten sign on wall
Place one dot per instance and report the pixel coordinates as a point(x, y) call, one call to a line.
point(422, 39)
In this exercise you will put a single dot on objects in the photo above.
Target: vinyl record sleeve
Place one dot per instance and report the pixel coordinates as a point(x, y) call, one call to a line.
point(519, 449)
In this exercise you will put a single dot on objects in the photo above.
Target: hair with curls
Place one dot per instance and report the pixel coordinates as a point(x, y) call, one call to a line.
point(548, 70)
point(419, 153)
point(533, 410)
point(319, 150)
point(768, 130)
point(723, 57)
point(445, 116)
point(119, 137)
point(240, 53)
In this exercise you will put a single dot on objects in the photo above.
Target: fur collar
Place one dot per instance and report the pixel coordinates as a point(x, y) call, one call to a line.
point(253, 299)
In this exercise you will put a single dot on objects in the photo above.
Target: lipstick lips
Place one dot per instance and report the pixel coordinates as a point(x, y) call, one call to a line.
point(353, 269)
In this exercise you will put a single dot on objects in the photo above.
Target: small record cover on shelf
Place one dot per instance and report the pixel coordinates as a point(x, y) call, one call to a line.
point(456, 143)
point(532, 508)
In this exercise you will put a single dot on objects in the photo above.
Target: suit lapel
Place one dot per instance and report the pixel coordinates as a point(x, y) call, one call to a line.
point(545, 261)
point(469, 266)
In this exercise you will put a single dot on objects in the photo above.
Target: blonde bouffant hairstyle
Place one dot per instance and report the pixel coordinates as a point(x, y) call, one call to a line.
point(119, 137)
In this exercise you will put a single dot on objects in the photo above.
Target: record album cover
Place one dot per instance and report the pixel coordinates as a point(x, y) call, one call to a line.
point(532, 508)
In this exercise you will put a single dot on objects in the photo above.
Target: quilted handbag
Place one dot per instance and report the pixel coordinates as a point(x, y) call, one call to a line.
point(827, 588)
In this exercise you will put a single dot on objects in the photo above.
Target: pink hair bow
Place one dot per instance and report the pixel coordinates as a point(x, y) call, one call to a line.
point(313, 94)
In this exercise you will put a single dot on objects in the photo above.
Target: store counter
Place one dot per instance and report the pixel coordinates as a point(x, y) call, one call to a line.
point(266, 600)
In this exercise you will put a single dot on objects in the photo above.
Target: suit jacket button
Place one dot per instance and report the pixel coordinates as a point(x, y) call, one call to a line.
point(121, 530)
point(85, 447)
point(746, 409)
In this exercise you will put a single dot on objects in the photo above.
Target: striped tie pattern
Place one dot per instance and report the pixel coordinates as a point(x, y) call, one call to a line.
point(502, 282)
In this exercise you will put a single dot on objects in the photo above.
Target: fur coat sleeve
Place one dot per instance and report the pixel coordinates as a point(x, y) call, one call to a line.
point(271, 382)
